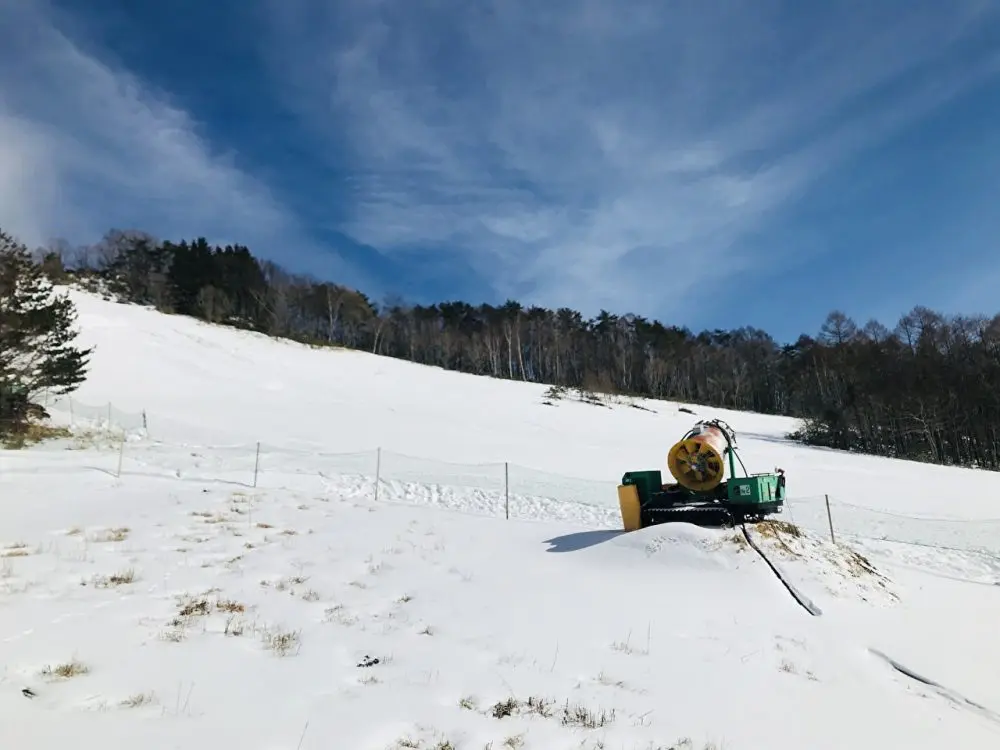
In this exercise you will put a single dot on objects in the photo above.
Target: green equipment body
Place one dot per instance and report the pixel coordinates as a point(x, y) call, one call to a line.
point(645, 500)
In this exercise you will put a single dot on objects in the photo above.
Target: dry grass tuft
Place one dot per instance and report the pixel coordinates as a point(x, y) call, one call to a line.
point(121, 578)
point(235, 626)
point(774, 529)
point(626, 646)
point(192, 608)
point(604, 679)
point(17, 549)
point(859, 565)
point(779, 532)
point(738, 540)
point(119, 534)
point(65, 671)
point(282, 642)
point(405, 743)
point(581, 716)
point(189, 608)
point(32, 434)
point(174, 635)
point(138, 700)
point(339, 615)
point(209, 516)
point(283, 584)
point(854, 564)
point(576, 715)
point(512, 706)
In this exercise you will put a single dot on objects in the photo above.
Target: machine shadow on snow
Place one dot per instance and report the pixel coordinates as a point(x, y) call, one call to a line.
point(581, 540)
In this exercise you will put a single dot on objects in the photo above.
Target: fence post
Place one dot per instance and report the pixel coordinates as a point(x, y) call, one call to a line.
point(256, 464)
point(109, 415)
point(121, 457)
point(145, 424)
point(829, 518)
point(506, 489)
point(378, 471)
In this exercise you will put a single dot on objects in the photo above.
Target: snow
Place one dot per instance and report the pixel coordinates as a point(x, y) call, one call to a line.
point(191, 609)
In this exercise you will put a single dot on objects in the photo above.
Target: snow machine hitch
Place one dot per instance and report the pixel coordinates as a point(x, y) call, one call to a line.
point(701, 495)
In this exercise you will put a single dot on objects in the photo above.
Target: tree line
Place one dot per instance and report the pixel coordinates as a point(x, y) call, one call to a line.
point(927, 389)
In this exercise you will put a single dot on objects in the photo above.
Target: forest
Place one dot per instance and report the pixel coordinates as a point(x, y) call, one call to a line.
point(927, 389)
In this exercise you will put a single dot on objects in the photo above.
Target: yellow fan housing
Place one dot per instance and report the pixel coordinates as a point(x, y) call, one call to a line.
point(696, 462)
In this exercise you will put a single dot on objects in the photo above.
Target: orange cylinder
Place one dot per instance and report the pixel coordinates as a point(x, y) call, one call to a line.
point(698, 461)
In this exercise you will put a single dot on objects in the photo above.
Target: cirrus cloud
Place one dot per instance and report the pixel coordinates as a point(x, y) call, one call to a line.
point(572, 151)
point(86, 145)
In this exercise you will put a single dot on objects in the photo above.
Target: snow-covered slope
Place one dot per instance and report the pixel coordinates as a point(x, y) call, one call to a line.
point(172, 607)
point(209, 383)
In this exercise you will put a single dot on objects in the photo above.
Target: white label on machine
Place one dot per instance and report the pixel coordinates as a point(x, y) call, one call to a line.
point(744, 489)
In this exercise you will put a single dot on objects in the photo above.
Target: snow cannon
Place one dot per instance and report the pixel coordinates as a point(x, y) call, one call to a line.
point(701, 494)
point(697, 460)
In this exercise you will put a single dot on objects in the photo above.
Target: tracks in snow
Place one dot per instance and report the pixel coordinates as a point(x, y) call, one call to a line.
point(803, 601)
point(947, 693)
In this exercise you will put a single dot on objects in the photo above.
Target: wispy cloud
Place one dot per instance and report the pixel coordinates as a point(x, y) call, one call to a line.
point(603, 153)
point(85, 145)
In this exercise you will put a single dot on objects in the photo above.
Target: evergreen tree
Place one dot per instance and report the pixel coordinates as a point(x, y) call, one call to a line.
point(36, 338)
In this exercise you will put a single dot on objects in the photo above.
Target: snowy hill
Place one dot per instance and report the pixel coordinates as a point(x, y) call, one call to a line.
point(150, 596)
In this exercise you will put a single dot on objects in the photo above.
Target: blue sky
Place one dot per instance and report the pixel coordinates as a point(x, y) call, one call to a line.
point(712, 163)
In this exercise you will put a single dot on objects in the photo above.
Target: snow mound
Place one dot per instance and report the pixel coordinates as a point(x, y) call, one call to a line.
point(680, 546)
point(824, 569)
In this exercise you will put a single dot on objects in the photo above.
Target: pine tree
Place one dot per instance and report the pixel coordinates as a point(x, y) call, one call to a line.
point(36, 338)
